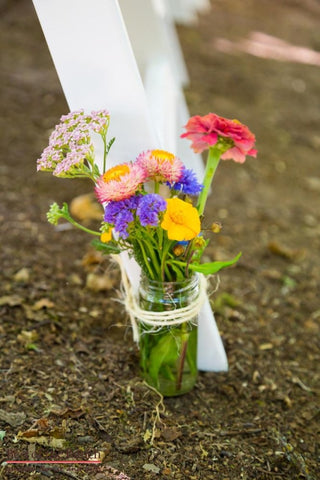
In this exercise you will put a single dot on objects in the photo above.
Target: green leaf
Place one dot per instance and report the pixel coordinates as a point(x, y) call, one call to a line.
point(2, 435)
point(192, 352)
point(213, 267)
point(165, 352)
point(106, 248)
point(180, 273)
point(110, 144)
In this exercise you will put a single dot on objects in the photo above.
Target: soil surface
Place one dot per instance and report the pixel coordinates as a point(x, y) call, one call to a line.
point(70, 385)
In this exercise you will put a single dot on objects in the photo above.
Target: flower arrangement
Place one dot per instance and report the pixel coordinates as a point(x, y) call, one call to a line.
point(153, 209)
point(154, 205)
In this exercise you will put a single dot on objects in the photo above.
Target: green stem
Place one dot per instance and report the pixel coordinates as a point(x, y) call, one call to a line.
point(145, 259)
point(211, 166)
point(166, 246)
point(152, 255)
point(156, 187)
point(104, 138)
point(81, 227)
point(182, 358)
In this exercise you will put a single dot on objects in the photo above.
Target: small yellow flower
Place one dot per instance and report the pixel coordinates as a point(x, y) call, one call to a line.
point(105, 237)
point(181, 220)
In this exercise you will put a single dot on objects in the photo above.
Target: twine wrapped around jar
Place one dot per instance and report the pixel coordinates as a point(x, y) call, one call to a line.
point(176, 316)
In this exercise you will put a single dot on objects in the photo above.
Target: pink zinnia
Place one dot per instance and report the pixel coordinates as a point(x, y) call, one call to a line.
point(119, 182)
point(161, 166)
point(206, 131)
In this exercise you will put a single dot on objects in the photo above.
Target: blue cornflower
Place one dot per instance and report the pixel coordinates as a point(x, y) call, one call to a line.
point(188, 183)
point(149, 207)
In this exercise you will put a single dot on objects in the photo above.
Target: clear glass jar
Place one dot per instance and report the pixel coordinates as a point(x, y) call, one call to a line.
point(168, 353)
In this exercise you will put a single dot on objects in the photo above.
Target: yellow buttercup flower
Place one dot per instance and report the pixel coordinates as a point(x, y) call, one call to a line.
point(181, 220)
point(105, 237)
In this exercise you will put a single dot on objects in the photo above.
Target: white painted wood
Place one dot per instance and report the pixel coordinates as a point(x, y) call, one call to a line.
point(160, 60)
point(153, 36)
point(185, 11)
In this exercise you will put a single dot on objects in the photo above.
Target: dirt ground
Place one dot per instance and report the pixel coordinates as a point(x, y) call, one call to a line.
point(69, 368)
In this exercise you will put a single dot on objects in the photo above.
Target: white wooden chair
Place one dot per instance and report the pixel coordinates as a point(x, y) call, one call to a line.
point(97, 68)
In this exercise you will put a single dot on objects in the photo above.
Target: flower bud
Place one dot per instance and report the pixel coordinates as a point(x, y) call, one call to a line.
point(216, 227)
point(199, 242)
point(178, 250)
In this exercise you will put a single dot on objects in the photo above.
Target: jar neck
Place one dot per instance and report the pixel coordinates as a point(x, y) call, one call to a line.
point(187, 287)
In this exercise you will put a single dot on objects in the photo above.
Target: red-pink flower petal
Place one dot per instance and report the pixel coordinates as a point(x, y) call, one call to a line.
point(204, 132)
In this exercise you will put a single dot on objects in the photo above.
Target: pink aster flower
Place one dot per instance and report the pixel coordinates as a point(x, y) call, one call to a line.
point(207, 131)
point(120, 182)
point(161, 166)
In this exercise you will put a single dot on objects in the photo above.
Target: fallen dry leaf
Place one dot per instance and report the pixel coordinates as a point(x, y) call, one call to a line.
point(85, 207)
point(27, 337)
point(91, 259)
point(170, 434)
point(69, 412)
point(266, 346)
point(46, 441)
point(150, 467)
point(99, 283)
point(286, 252)
point(42, 433)
point(23, 275)
point(43, 303)
point(313, 183)
point(13, 419)
point(11, 300)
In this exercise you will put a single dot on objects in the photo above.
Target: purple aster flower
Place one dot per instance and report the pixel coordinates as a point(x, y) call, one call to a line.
point(149, 208)
point(120, 214)
point(188, 183)
point(122, 222)
point(112, 210)
point(114, 207)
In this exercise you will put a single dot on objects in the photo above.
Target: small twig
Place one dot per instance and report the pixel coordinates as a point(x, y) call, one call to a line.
point(298, 382)
point(269, 473)
point(3, 466)
point(230, 433)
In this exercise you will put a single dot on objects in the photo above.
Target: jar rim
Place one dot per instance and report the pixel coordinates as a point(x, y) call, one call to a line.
point(187, 281)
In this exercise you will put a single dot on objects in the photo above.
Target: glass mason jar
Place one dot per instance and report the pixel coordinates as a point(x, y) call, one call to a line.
point(168, 353)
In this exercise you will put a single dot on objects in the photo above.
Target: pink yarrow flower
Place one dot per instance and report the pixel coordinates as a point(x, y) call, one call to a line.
point(161, 166)
point(70, 142)
point(120, 182)
point(208, 130)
